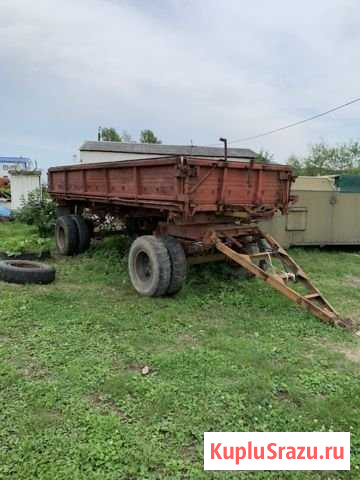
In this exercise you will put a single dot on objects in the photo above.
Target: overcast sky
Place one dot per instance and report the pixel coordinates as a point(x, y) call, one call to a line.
point(189, 70)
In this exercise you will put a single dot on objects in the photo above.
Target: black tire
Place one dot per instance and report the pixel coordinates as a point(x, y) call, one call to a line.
point(24, 271)
point(240, 272)
point(178, 264)
point(83, 233)
point(263, 246)
point(66, 235)
point(91, 226)
point(149, 266)
point(62, 211)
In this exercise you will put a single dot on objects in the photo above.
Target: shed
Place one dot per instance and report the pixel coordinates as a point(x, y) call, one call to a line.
point(324, 183)
point(23, 182)
point(326, 213)
point(97, 152)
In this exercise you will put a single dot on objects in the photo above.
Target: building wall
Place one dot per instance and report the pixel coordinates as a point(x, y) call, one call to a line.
point(21, 185)
point(315, 184)
point(99, 157)
point(318, 218)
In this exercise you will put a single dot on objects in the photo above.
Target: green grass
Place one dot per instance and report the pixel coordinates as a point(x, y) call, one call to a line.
point(16, 238)
point(224, 355)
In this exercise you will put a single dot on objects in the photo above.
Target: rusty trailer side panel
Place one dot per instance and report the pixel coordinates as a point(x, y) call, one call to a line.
point(186, 185)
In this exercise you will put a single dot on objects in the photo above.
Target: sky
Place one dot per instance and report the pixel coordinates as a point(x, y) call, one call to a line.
point(191, 71)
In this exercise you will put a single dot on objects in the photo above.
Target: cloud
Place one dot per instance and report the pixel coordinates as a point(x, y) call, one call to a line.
point(190, 70)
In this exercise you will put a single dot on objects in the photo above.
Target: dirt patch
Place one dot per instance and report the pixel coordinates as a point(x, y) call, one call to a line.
point(28, 368)
point(34, 371)
point(187, 339)
point(69, 287)
point(190, 453)
point(106, 405)
point(283, 395)
point(352, 281)
point(140, 368)
point(352, 353)
point(135, 367)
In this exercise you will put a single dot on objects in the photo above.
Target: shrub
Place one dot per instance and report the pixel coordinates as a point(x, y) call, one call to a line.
point(38, 210)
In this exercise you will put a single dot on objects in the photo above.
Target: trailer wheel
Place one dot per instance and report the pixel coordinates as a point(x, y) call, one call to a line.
point(24, 271)
point(149, 266)
point(240, 272)
point(62, 211)
point(83, 233)
point(66, 235)
point(178, 264)
point(91, 226)
point(257, 248)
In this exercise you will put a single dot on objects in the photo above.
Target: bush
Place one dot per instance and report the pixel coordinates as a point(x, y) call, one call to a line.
point(38, 210)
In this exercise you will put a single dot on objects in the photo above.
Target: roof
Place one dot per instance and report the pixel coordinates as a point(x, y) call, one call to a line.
point(159, 149)
point(348, 183)
point(19, 160)
point(328, 183)
point(314, 184)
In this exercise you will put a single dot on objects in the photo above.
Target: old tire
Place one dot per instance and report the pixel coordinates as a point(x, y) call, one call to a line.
point(240, 272)
point(83, 233)
point(178, 264)
point(66, 235)
point(62, 211)
point(24, 271)
point(149, 266)
point(91, 226)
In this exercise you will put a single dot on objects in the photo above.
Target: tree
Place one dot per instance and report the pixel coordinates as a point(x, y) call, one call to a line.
point(126, 137)
point(148, 136)
point(264, 157)
point(110, 135)
point(296, 165)
point(323, 159)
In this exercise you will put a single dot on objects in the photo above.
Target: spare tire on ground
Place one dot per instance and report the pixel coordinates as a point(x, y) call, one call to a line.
point(24, 271)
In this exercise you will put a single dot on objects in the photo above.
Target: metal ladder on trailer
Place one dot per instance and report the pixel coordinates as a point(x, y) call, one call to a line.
point(261, 263)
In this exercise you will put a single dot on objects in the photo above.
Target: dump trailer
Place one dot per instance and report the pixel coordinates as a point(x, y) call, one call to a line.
point(186, 210)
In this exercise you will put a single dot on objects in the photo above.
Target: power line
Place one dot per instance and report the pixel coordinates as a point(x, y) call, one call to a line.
point(300, 122)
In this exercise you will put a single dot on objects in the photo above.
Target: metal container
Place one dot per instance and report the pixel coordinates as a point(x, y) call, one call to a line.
point(326, 213)
point(186, 186)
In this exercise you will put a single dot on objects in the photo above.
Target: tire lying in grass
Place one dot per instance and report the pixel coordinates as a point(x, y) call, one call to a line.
point(178, 264)
point(83, 233)
point(149, 266)
point(24, 271)
point(66, 235)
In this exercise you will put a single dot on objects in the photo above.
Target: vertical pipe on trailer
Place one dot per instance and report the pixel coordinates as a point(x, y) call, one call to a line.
point(224, 175)
point(224, 140)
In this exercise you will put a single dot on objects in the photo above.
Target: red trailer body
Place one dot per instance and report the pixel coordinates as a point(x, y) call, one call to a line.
point(183, 186)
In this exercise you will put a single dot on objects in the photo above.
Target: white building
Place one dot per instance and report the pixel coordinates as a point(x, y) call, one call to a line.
point(22, 182)
point(98, 152)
